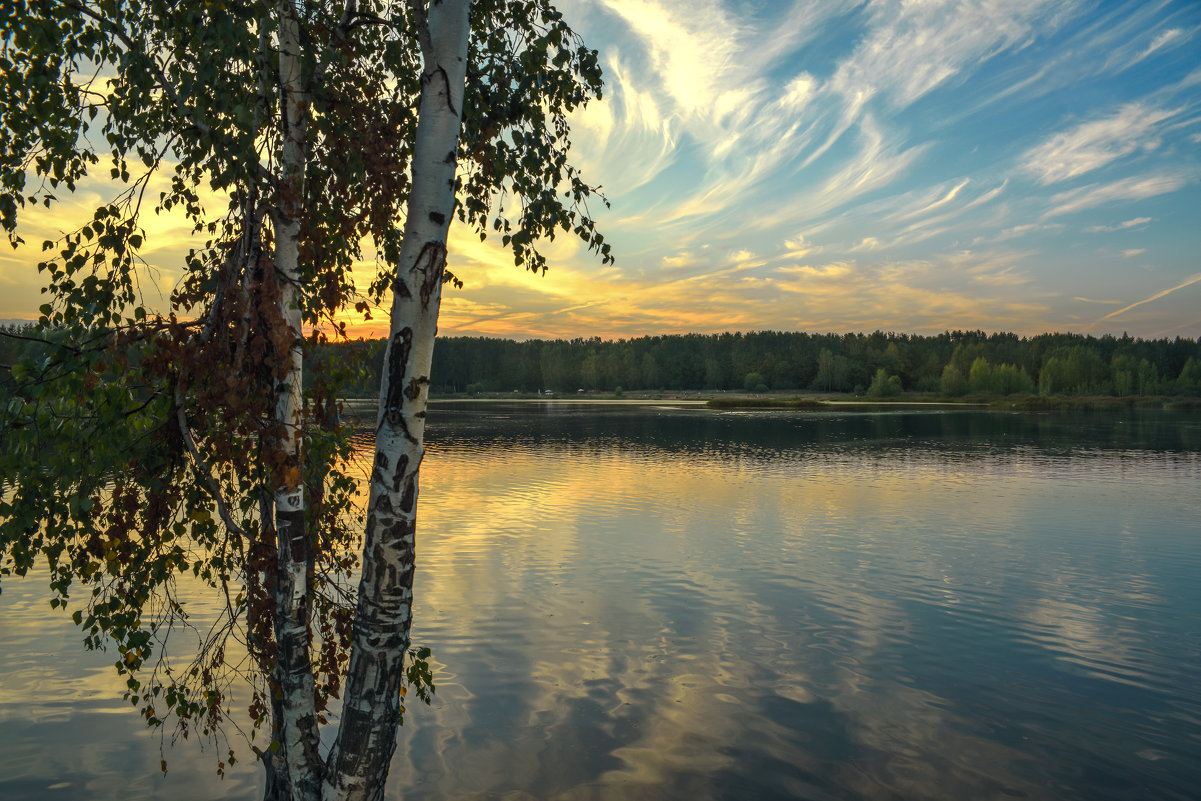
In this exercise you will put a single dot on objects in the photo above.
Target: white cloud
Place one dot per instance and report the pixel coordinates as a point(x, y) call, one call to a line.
point(877, 163)
point(799, 247)
point(1092, 145)
point(1007, 276)
point(691, 47)
point(915, 47)
point(1173, 37)
point(1017, 231)
point(942, 199)
point(988, 196)
point(796, 26)
point(1134, 188)
point(623, 139)
point(1186, 283)
point(868, 243)
point(1122, 226)
point(826, 272)
point(798, 92)
point(1162, 40)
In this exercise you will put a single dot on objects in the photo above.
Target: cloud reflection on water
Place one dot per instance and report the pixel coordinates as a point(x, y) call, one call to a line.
point(664, 603)
point(693, 622)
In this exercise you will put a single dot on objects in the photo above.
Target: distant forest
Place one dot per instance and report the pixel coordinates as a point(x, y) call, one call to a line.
point(950, 364)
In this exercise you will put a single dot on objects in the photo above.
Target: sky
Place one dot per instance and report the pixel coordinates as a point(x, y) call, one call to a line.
point(1005, 165)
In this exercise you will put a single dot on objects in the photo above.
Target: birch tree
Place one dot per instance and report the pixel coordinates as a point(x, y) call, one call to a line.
point(152, 440)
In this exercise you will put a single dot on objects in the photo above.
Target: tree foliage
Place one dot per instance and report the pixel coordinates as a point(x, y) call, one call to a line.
point(790, 360)
point(144, 440)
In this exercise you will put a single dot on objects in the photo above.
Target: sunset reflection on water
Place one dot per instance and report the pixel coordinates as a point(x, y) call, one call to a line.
point(664, 602)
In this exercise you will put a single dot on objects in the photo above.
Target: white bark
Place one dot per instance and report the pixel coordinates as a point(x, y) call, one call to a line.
point(358, 762)
point(293, 672)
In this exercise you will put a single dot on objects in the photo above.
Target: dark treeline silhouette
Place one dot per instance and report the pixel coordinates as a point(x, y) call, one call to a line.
point(950, 364)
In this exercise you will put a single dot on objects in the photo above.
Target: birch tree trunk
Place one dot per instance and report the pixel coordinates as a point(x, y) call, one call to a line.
point(293, 675)
point(358, 762)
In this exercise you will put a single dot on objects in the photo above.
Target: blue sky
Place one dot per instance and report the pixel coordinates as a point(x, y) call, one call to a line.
point(1013, 165)
point(841, 166)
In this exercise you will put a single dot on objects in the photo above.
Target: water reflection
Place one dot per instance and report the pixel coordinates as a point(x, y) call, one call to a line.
point(782, 606)
point(658, 603)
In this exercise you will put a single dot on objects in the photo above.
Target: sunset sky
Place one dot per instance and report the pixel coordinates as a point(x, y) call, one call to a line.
point(1023, 166)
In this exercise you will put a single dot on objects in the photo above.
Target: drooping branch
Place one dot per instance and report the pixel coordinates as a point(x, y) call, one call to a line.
point(164, 83)
point(201, 466)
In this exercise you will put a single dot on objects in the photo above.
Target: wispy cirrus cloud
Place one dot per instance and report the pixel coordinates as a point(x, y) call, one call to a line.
point(913, 48)
point(691, 49)
point(1136, 222)
point(1169, 38)
point(1018, 231)
point(1136, 187)
point(1162, 294)
point(1094, 144)
point(940, 200)
point(1165, 40)
point(715, 82)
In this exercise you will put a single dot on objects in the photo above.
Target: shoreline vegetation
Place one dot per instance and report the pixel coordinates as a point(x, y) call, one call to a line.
point(1044, 371)
point(759, 369)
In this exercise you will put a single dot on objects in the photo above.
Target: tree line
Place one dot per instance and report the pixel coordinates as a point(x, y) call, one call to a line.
point(951, 364)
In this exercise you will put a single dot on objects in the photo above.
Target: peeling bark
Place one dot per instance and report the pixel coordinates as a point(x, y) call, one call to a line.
point(358, 761)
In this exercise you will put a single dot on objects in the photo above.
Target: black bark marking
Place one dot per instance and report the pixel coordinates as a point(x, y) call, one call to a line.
point(290, 535)
point(437, 217)
point(354, 751)
point(401, 468)
point(401, 288)
point(383, 504)
point(429, 76)
point(451, 158)
point(398, 362)
point(399, 536)
point(376, 673)
point(409, 500)
point(431, 262)
point(413, 390)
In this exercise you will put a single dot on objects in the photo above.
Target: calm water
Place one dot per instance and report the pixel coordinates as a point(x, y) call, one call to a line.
point(637, 601)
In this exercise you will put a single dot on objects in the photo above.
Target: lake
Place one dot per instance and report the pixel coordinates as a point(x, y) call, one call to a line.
point(652, 601)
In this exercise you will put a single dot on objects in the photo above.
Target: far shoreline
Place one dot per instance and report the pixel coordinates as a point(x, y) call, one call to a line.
point(786, 401)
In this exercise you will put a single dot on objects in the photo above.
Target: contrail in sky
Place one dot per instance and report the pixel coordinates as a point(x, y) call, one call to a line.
point(1188, 282)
